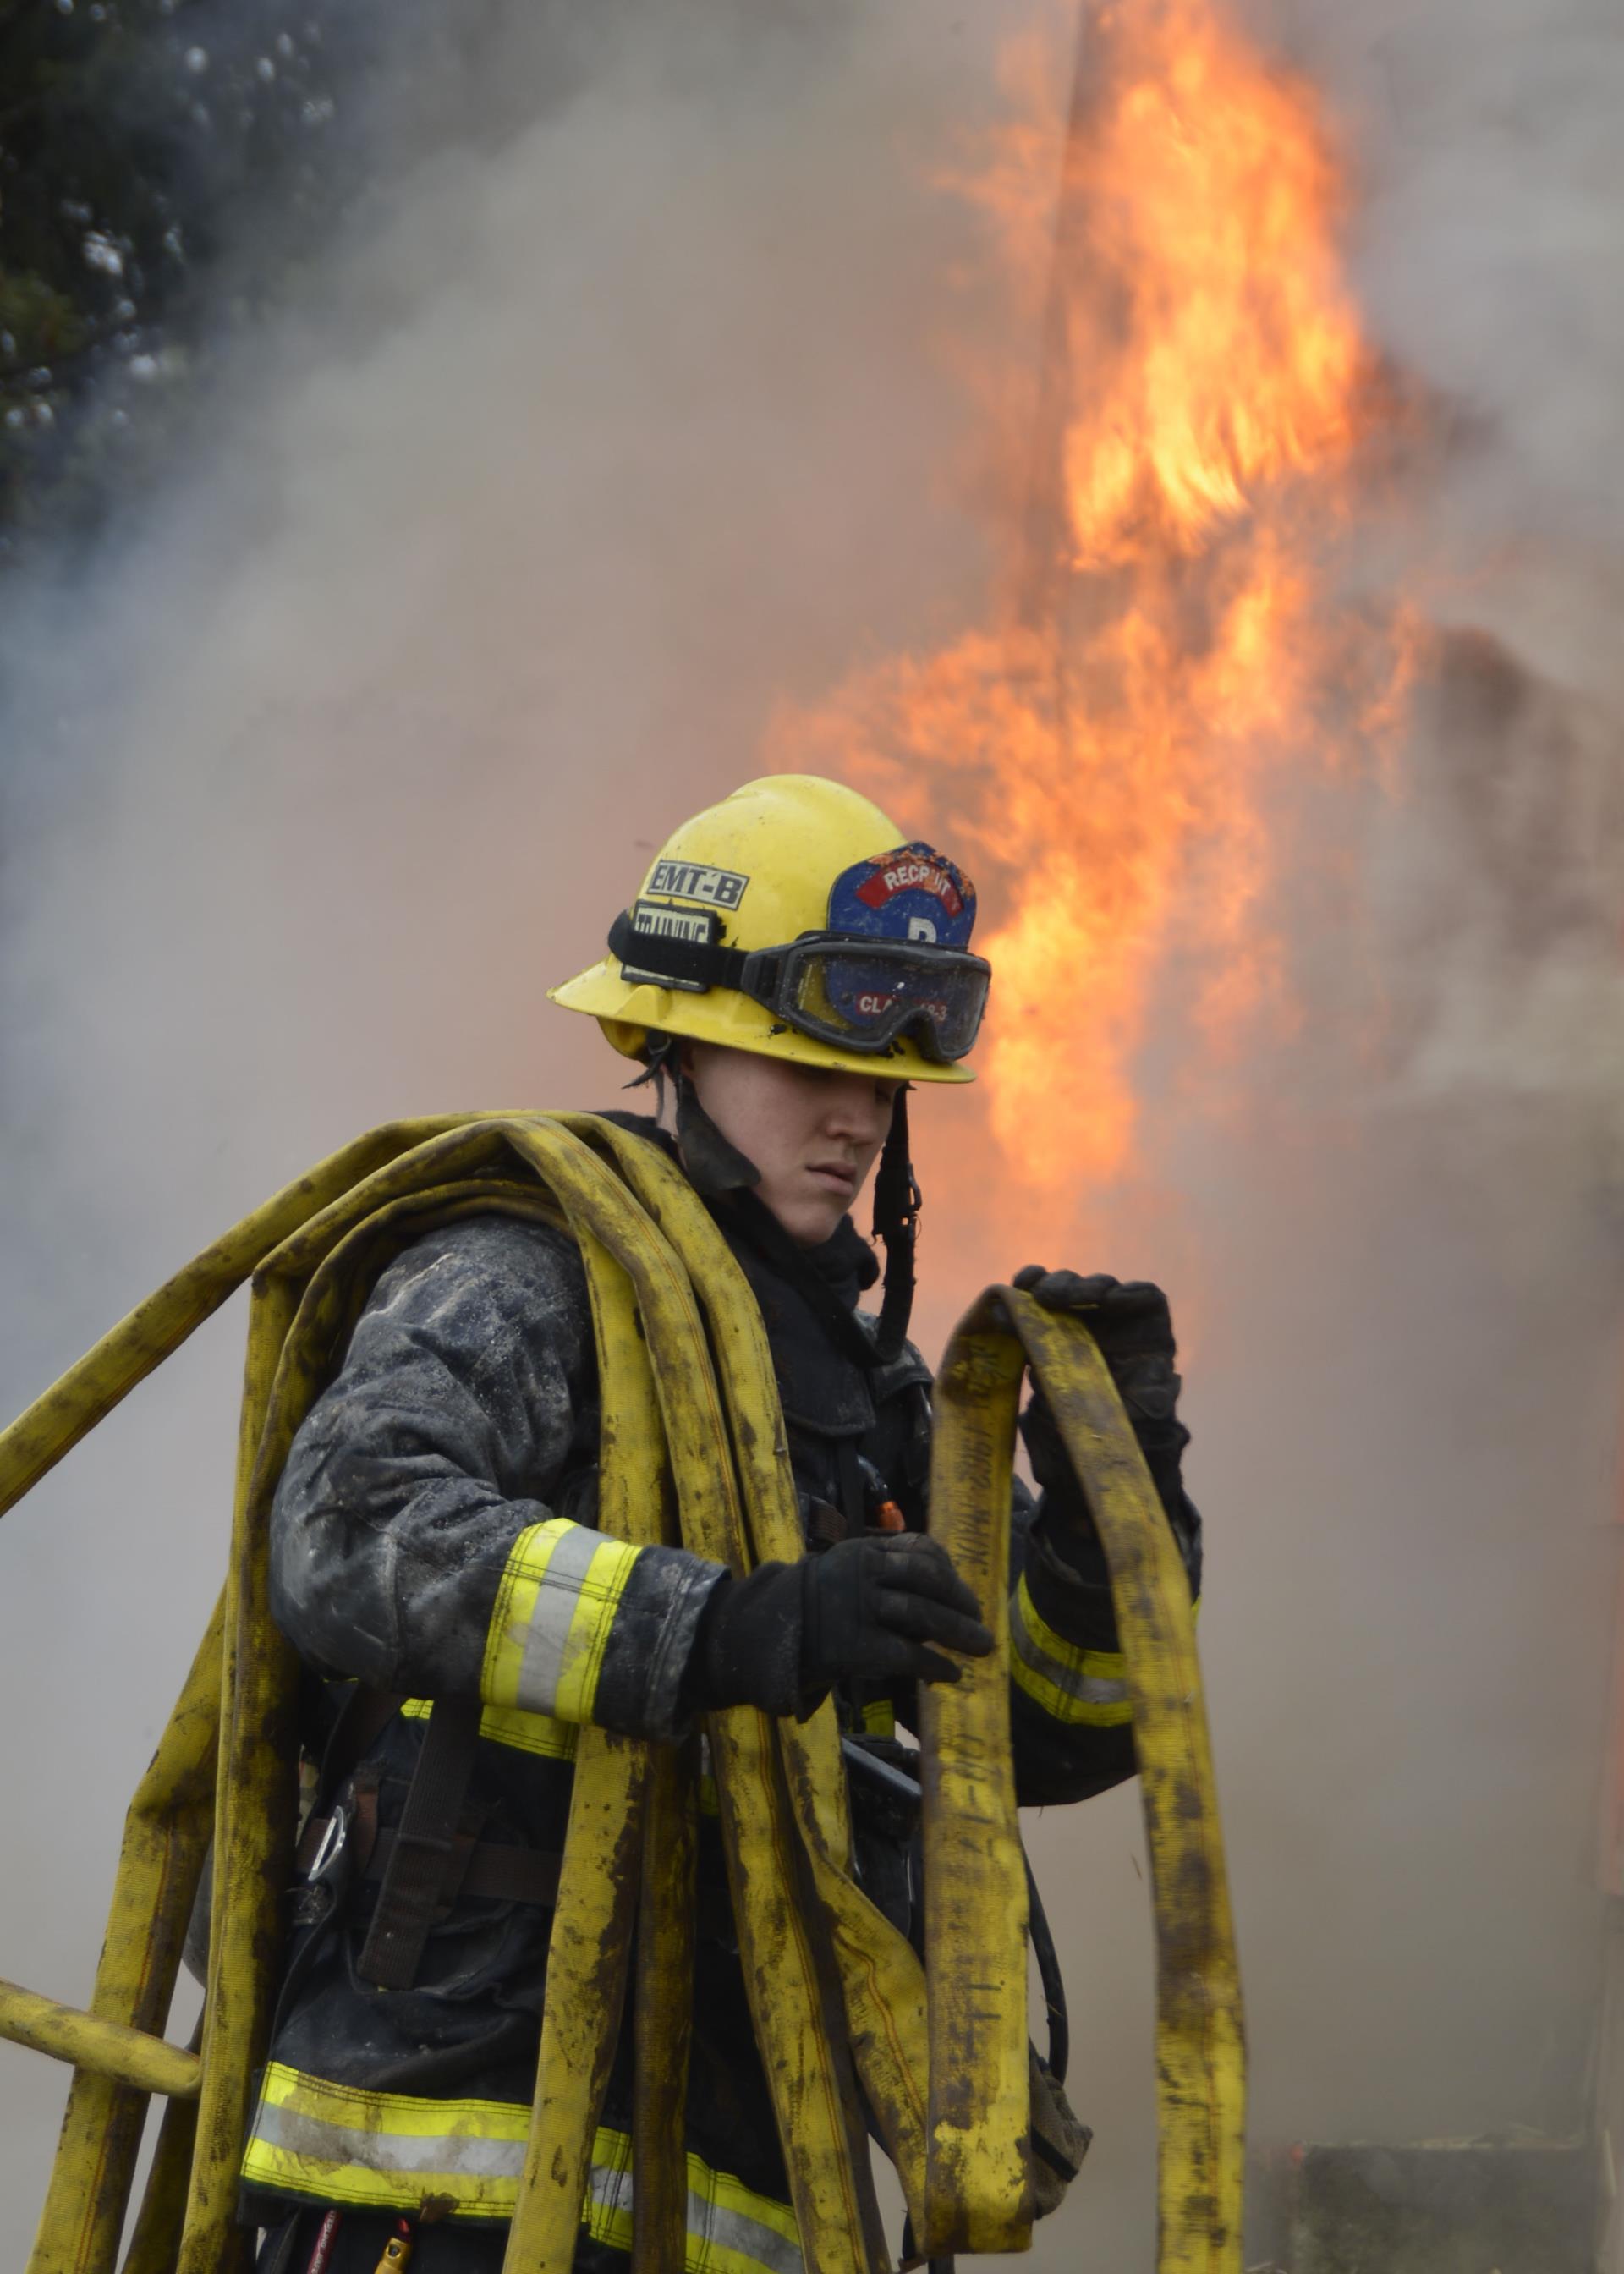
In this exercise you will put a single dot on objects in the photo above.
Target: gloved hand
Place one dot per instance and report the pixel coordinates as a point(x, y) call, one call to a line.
point(869, 1610)
point(1130, 1321)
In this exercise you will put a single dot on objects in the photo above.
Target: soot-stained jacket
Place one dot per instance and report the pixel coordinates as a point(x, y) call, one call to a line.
point(433, 1538)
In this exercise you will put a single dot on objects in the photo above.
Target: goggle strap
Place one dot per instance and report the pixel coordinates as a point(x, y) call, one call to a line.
point(709, 964)
point(692, 963)
point(701, 965)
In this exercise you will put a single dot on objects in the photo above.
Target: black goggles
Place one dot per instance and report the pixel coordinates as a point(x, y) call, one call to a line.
point(842, 987)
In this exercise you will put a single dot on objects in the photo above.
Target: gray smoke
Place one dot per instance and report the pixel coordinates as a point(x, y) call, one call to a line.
point(591, 444)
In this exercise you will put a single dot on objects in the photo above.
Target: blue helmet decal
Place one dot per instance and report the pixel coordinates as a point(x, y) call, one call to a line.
point(914, 893)
point(914, 897)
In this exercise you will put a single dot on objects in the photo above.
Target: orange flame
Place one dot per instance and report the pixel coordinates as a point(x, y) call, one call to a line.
point(1206, 404)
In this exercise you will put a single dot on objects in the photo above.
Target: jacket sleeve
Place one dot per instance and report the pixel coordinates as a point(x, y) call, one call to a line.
point(420, 1538)
point(1070, 1720)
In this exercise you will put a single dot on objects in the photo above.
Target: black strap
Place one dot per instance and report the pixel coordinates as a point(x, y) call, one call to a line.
point(285, 2240)
point(690, 963)
point(853, 1499)
point(362, 1719)
point(895, 1224)
point(1049, 1975)
point(712, 1165)
point(489, 1871)
point(909, 2261)
point(424, 1851)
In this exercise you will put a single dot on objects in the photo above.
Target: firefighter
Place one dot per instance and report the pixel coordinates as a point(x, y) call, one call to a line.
point(789, 971)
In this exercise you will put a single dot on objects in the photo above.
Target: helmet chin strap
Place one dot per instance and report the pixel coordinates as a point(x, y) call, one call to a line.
point(714, 1165)
point(717, 1169)
point(897, 1202)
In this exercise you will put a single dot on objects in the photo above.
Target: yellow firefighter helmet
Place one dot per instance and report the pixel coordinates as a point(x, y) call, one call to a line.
point(791, 919)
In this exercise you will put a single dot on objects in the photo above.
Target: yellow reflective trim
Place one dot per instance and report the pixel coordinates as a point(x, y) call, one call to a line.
point(1091, 1665)
point(418, 2117)
point(510, 1725)
point(1115, 1714)
point(879, 1718)
point(383, 2150)
point(1077, 1686)
point(389, 2150)
point(721, 2202)
point(722, 2189)
point(555, 1606)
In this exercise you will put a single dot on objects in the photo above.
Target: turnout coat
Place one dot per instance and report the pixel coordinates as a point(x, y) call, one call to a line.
point(433, 1539)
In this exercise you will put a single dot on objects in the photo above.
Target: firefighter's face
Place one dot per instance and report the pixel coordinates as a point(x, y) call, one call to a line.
point(813, 1134)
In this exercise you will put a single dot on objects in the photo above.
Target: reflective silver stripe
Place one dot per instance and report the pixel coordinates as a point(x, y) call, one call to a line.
point(730, 2230)
point(709, 2222)
point(481, 2172)
point(557, 1599)
point(443, 2155)
point(610, 2186)
point(1089, 1687)
point(354, 2161)
point(1058, 1681)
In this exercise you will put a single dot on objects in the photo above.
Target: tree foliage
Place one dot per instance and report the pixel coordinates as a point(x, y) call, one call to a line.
point(162, 164)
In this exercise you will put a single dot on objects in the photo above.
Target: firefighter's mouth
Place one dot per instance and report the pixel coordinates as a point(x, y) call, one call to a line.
point(836, 1174)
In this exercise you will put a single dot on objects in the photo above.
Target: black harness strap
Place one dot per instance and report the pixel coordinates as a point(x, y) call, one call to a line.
point(484, 1870)
point(425, 1855)
point(362, 1719)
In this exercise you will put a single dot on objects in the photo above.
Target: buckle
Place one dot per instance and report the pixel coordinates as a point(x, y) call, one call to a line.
point(335, 1839)
point(326, 1882)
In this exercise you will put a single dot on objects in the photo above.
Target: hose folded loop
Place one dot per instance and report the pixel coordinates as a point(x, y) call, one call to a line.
point(1201, 2039)
point(848, 2022)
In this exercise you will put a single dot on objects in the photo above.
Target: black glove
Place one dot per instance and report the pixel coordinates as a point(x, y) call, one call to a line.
point(865, 1610)
point(1133, 1327)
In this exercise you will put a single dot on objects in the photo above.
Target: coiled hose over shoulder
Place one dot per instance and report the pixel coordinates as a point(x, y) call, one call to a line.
point(693, 1450)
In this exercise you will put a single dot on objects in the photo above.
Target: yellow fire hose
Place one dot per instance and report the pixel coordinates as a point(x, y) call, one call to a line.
point(693, 1451)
